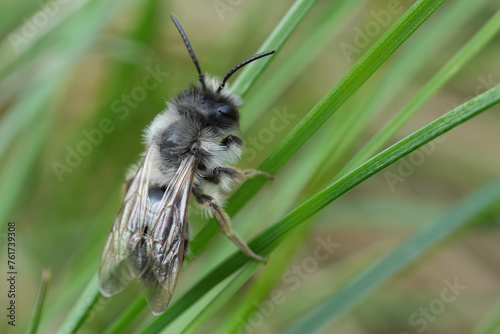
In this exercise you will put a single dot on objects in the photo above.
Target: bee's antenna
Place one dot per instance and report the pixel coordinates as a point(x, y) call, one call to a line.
point(190, 49)
point(240, 65)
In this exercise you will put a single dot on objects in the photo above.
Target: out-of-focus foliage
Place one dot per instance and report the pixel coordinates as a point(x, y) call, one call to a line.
point(76, 94)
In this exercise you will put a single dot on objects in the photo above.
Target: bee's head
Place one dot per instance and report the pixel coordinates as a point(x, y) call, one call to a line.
point(218, 108)
point(211, 98)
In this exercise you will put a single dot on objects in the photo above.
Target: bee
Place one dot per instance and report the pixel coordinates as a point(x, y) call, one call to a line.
point(190, 148)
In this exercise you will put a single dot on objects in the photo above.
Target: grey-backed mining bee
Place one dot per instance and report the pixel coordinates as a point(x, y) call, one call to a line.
point(189, 149)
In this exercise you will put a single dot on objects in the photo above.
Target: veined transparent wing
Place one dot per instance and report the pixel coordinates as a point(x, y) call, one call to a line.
point(114, 269)
point(148, 235)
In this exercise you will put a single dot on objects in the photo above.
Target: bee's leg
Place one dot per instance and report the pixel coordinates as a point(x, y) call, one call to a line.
point(229, 143)
point(225, 223)
point(250, 173)
point(232, 140)
point(235, 174)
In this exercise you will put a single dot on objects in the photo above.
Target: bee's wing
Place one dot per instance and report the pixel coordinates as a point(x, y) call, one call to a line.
point(115, 271)
point(164, 246)
point(147, 238)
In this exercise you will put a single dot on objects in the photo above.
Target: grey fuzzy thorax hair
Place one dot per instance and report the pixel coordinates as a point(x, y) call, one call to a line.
point(191, 121)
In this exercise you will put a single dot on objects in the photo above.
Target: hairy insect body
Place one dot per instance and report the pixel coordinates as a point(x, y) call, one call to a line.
point(191, 125)
point(190, 150)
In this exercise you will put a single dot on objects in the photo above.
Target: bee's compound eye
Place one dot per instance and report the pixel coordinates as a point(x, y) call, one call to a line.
point(224, 109)
point(228, 111)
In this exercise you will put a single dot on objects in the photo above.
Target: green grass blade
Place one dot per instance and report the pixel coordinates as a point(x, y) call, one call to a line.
point(270, 238)
point(264, 283)
point(414, 59)
point(359, 73)
point(409, 62)
point(472, 48)
point(127, 317)
point(12, 13)
point(491, 324)
point(324, 30)
point(80, 311)
point(40, 299)
point(18, 164)
point(390, 264)
point(29, 106)
point(275, 41)
point(12, 50)
point(223, 296)
point(33, 102)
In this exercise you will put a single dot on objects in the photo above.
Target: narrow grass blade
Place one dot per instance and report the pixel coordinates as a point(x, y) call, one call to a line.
point(80, 311)
point(413, 59)
point(359, 73)
point(34, 99)
point(428, 236)
point(30, 105)
point(17, 165)
point(15, 45)
point(126, 318)
point(40, 299)
point(223, 296)
point(11, 14)
point(490, 325)
point(272, 237)
point(472, 48)
point(410, 61)
point(263, 284)
point(324, 30)
point(275, 41)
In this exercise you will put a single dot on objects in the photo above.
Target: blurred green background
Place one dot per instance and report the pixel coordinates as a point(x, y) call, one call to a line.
point(68, 68)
